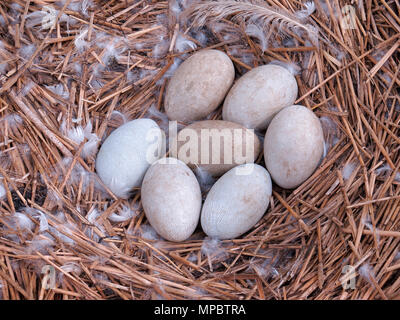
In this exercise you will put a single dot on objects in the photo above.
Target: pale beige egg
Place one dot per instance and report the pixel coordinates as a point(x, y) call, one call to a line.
point(199, 85)
point(216, 146)
point(258, 95)
point(293, 146)
point(171, 199)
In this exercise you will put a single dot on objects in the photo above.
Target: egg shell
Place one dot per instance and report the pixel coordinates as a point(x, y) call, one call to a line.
point(258, 95)
point(171, 199)
point(206, 135)
point(236, 202)
point(293, 146)
point(199, 85)
point(127, 153)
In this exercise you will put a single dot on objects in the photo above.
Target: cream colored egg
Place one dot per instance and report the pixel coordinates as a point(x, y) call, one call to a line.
point(199, 85)
point(236, 202)
point(127, 153)
point(216, 146)
point(171, 199)
point(258, 95)
point(293, 146)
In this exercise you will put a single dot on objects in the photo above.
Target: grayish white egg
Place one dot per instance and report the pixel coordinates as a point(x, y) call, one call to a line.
point(171, 199)
point(258, 95)
point(127, 153)
point(236, 202)
point(293, 146)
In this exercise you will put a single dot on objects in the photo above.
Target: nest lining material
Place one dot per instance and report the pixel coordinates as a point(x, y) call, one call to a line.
point(65, 86)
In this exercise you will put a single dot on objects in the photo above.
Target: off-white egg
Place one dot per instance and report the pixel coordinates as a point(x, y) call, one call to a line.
point(199, 85)
point(293, 146)
point(127, 153)
point(258, 95)
point(171, 199)
point(236, 202)
point(216, 146)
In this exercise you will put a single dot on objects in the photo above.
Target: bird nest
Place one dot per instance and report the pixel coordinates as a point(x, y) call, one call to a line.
point(72, 71)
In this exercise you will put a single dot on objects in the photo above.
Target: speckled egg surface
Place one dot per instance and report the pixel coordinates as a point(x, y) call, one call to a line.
point(199, 85)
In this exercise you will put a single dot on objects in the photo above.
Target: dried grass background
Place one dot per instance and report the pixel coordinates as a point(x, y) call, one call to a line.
point(64, 88)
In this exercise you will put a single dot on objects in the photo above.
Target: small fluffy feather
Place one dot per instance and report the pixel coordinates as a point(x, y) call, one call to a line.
point(93, 215)
point(61, 236)
point(27, 88)
point(348, 170)
point(367, 273)
point(305, 13)
point(43, 223)
point(125, 214)
point(201, 37)
point(81, 6)
point(205, 179)
point(3, 68)
point(116, 113)
point(39, 244)
point(77, 67)
point(78, 135)
point(386, 168)
point(112, 52)
point(80, 43)
point(59, 90)
point(253, 30)
point(192, 258)
point(89, 149)
point(13, 120)
point(293, 68)
point(158, 116)
point(27, 51)
point(78, 173)
point(211, 247)
point(331, 133)
point(383, 169)
point(71, 267)
point(175, 8)
point(368, 223)
point(161, 48)
point(182, 44)
point(22, 221)
point(46, 18)
point(170, 72)
point(2, 190)
point(148, 232)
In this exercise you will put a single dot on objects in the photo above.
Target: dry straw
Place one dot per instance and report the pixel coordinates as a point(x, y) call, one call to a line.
point(65, 84)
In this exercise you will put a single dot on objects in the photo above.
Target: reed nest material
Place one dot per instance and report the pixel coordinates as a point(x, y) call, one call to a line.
point(65, 86)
